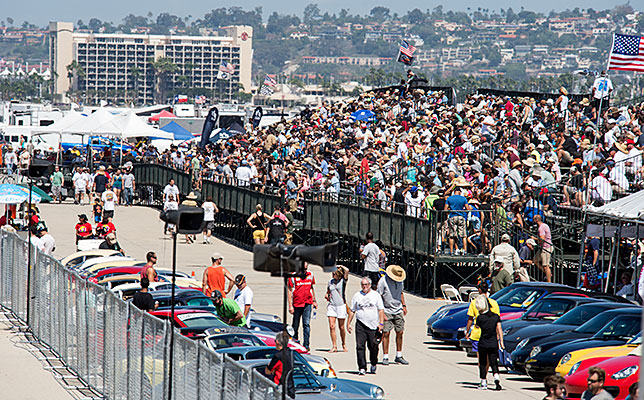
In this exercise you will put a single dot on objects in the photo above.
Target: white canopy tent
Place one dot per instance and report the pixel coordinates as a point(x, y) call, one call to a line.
point(86, 126)
point(629, 207)
point(127, 125)
point(59, 127)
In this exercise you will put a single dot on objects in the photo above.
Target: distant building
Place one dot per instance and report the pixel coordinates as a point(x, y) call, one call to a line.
point(368, 61)
point(107, 60)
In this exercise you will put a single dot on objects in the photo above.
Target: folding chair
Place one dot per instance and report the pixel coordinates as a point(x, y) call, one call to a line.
point(450, 294)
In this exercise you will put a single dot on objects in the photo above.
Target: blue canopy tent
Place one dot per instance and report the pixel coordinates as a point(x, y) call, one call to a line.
point(363, 115)
point(180, 133)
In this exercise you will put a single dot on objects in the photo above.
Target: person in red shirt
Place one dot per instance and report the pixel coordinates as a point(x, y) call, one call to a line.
point(301, 298)
point(104, 228)
point(83, 228)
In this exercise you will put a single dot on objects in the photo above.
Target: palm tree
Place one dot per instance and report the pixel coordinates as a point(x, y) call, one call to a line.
point(163, 69)
point(135, 74)
point(75, 72)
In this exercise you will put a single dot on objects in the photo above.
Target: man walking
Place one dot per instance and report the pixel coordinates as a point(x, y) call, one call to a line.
point(109, 202)
point(369, 311)
point(209, 211)
point(371, 255)
point(500, 276)
point(596, 391)
point(148, 270)
point(243, 297)
point(390, 288)
point(301, 298)
point(214, 277)
point(508, 254)
point(128, 187)
point(545, 247)
point(57, 181)
point(456, 221)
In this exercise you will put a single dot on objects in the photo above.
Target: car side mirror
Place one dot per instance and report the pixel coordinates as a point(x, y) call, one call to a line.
point(324, 373)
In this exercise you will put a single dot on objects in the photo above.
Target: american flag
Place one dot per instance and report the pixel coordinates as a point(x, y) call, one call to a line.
point(627, 53)
point(201, 99)
point(226, 70)
point(268, 81)
point(407, 49)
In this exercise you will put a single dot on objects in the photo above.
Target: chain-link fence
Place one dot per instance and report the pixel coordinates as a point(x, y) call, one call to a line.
point(114, 347)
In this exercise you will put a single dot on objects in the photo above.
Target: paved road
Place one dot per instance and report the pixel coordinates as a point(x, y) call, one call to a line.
point(436, 370)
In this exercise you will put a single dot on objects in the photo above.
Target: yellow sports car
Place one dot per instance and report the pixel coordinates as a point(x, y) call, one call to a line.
point(571, 361)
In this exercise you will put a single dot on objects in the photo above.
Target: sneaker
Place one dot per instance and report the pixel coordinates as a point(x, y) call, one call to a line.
point(385, 361)
point(483, 386)
point(361, 372)
point(373, 369)
point(498, 384)
point(400, 360)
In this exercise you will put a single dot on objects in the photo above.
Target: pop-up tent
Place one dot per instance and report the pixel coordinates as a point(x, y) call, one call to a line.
point(86, 126)
point(629, 207)
point(127, 125)
point(179, 132)
point(162, 114)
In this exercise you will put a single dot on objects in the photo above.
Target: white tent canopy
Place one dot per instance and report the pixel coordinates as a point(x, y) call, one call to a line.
point(59, 126)
point(629, 207)
point(128, 124)
point(86, 126)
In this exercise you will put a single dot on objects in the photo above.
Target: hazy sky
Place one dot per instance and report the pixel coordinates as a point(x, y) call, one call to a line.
point(42, 11)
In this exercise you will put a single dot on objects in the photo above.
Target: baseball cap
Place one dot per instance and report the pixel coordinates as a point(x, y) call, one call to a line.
point(216, 294)
point(239, 279)
point(505, 237)
point(217, 256)
point(498, 260)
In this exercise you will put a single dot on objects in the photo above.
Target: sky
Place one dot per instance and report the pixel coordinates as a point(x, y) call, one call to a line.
point(39, 12)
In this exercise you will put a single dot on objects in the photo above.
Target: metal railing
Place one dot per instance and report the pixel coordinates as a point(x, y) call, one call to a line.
point(112, 346)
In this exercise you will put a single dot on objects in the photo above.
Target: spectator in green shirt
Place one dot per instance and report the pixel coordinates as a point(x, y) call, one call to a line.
point(57, 181)
point(228, 310)
point(500, 276)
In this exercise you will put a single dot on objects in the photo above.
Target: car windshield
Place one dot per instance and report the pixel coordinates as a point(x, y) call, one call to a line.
point(596, 323)
point(502, 292)
point(195, 320)
point(268, 353)
point(548, 309)
point(234, 340)
point(624, 326)
point(521, 297)
point(578, 315)
point(199, 301)
point(304, 379)
point(637, 339)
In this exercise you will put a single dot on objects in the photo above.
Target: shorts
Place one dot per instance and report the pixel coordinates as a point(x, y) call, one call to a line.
point(339, 312)
point(394, 322)
point(542, 258)
point(108, 214)
point(81, 190)
point(475, 346)
point(209, 225)
point(571, 190)
point(55, 190)
point(259, 234)
point(456, 227)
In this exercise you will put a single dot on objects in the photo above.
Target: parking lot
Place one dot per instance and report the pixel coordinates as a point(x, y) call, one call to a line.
point(434, 369)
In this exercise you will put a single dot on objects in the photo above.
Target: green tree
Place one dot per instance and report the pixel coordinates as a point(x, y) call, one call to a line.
point(163, 68)
point(380, 13)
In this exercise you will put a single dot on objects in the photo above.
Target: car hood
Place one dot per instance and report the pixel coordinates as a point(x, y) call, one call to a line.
point(521, 323)
point(537, 332)
point(348, 385)
point(451, 308)
point(551, 352)
point(458, 318)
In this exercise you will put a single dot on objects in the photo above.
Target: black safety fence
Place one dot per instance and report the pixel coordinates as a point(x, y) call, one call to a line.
point(414, 237)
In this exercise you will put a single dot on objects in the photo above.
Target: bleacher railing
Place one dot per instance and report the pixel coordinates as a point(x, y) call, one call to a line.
point(113, 347)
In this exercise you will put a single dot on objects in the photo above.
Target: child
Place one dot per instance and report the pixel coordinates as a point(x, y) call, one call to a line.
point(98, 210)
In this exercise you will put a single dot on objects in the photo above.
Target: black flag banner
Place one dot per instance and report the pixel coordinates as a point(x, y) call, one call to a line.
point(208, 126)
point(405, 59)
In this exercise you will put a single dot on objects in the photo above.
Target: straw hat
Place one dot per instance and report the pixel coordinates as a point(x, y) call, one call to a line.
point(460, 181)
point(191, 196)
point(621, 147)
point(584, 102)
point(396, 273)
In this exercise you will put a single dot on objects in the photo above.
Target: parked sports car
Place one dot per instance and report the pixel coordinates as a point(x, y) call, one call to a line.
point(567, 322)
point(523, 350)
point(621, 373)
point(449, 325)
point(574, 360)
point(81, 256)
point(193, 323)
point(310, 386)
point(543, 359)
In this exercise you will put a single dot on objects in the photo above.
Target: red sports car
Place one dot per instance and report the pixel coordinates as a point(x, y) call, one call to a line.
point(621, 373)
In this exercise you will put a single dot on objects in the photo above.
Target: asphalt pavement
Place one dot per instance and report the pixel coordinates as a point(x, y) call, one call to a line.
point(435, 369)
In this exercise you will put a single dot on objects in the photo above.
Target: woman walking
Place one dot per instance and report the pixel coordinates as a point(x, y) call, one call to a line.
point(258, 222)
point(337, 308)
point(117, 185)
point(490, 341)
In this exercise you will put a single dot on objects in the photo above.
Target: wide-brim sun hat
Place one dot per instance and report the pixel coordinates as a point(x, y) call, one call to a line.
point(396, 273)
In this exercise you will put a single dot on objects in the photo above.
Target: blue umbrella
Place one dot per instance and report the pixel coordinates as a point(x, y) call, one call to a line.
point(14, 194)
point(363, 115)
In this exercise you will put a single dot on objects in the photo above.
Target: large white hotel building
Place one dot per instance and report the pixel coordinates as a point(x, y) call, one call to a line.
point(109, 60)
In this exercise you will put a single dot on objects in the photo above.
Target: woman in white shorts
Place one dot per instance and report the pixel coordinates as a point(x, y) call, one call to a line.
point(337, 307)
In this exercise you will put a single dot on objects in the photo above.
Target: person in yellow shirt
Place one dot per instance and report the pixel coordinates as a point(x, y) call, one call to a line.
point(475, 333)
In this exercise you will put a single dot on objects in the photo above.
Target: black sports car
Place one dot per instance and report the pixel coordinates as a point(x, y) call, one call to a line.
point(522, 351)
point(544, 358)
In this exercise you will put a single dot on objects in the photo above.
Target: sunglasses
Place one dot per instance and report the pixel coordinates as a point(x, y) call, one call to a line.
point(593, 380)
